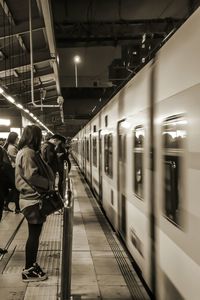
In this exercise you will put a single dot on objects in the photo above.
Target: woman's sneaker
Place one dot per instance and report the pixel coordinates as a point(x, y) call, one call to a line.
point(33, 274)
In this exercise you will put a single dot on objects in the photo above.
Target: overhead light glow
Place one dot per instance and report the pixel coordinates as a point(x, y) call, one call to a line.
point(5, 122)
point(19, 105)
point(1, 90)
point(27, 111)
point(58, 60)
point(77, 59)
point(10, 99)
point(126, 124)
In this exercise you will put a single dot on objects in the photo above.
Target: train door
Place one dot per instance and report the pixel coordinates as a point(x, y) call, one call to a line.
point(121, 133)
point(82, 154)
point(100, 167)
point(85, 155)
point(90, 160)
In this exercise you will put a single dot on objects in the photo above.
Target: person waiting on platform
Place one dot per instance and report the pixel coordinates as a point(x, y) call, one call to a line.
point(48, 152)
point(68, 159)
point(32, 174)
point(3, 160)
point(61, 157)
point(11, 148)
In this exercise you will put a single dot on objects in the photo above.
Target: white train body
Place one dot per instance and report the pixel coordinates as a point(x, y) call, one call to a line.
point(113, 151)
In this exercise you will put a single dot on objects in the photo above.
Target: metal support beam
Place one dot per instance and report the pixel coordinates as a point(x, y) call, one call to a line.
point(47, 99)
point(76, 33)
point(11, 19)
point(47, 86)
point(25, 77)
point(32, 66)
point(27, 93)
point(48, 19)
point(20, 29)
point(39, 57)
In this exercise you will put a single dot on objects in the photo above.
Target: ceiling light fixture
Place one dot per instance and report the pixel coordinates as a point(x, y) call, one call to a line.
point(5, 122)
point(19, 105)
point(10, 99)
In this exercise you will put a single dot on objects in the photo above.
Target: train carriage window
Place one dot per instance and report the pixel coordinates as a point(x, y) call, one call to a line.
point(82, 148)
point(94, 151)
point(138, 157)
point(108, 154)
point(174, 134)
point(87, 150)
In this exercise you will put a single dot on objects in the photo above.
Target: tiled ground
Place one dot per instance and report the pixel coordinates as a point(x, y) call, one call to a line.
point(95, 272)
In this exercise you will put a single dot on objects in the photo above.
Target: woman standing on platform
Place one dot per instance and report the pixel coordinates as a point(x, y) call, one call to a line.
point(11, 147)
point(32, 174)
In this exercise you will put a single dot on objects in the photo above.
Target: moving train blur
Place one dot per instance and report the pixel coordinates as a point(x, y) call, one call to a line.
point(140, 155)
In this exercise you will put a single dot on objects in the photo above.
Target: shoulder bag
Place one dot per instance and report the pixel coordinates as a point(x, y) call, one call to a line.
point(49, 202)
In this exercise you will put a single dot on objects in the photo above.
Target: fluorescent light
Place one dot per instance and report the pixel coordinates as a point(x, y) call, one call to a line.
point(19, 105)
point(5, 122)
point(1, 90)
point(10, 99)
point(31, 114)
point(27, 111)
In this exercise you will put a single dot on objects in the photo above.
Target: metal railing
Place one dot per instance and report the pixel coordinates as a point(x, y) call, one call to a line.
point(66, 261)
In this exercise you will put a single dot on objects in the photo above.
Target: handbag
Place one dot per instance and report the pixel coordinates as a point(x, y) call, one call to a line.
point(51, 202)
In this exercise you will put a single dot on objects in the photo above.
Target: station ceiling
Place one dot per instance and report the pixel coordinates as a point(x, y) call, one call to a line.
point(113, 39)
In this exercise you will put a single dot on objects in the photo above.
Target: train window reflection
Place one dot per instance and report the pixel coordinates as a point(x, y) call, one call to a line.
point(174, 134)
point(139, 137)
point(138, 157)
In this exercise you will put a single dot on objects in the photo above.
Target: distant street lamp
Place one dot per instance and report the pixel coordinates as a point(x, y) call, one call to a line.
point(77, 60)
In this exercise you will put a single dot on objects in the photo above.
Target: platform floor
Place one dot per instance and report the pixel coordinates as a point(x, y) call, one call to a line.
point(100, 267)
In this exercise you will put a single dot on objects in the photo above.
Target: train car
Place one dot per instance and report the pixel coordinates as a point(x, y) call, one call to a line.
point(144, 153)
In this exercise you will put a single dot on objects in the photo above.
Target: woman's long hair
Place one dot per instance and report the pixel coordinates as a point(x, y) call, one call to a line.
point(31, 137)
point(12, 137)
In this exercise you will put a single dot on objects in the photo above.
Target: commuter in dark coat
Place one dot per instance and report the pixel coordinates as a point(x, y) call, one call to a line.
point(8, 178)
point(11, 148)
point(32, 174)
point(61, 157)
point(68, 159)
point(49, 154)
point(3, 160)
